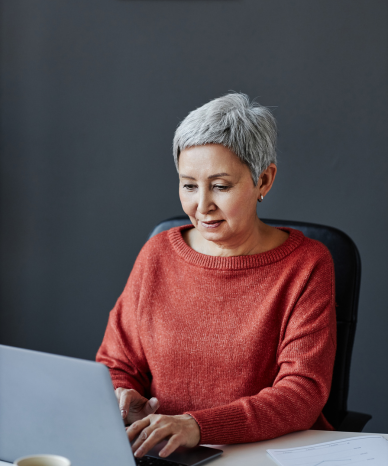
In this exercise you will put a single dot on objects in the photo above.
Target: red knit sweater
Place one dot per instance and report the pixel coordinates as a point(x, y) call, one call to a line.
point(244, 344)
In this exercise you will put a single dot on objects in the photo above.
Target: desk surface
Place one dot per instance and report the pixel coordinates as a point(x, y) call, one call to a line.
point(254, 454)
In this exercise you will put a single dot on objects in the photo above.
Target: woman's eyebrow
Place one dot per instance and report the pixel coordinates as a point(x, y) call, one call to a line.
point(217, 175)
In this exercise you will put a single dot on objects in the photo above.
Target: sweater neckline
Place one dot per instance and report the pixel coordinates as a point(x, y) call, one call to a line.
point(294, 240)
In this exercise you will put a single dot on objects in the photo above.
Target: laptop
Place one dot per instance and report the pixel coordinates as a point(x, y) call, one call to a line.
point(65, 406)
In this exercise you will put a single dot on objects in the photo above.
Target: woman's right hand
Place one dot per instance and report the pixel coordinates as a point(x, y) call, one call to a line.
point(133, 406)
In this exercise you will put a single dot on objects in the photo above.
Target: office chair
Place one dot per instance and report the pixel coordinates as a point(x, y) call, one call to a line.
point(347, 266)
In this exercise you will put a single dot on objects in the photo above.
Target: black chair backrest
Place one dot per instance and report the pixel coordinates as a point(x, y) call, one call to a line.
point(347, 266)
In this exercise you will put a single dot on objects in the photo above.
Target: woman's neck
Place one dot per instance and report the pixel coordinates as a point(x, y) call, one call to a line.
point(261, 238)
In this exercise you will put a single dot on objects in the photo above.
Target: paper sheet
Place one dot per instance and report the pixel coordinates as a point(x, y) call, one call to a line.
point(369, 450)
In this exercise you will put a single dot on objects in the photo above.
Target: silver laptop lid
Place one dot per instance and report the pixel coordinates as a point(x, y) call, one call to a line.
point(59, 405)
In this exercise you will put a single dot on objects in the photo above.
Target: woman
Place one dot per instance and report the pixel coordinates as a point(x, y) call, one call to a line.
point(226, 327)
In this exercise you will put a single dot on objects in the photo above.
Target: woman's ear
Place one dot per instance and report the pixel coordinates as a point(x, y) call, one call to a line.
point(266, 180)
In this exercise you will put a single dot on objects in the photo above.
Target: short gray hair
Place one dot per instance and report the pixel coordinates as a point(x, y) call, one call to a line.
point(246, 128)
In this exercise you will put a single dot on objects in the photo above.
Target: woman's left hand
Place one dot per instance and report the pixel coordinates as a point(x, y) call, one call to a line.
point(181, 430)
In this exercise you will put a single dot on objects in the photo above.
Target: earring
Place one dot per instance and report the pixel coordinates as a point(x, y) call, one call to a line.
point(261, 198)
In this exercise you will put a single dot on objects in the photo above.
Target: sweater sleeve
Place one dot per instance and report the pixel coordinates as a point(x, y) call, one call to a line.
point(121, 349)
point(305, 360)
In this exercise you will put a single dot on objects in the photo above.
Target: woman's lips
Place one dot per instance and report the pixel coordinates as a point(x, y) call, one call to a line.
point(212, 224)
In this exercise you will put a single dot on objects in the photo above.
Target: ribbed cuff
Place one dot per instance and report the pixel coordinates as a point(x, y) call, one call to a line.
point(125, 382)
point(221, 425)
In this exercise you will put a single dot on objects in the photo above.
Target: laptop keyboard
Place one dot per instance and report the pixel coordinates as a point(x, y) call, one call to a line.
point(150, 461)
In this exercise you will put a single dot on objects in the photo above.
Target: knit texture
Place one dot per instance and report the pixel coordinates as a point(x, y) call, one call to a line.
point(244, 344)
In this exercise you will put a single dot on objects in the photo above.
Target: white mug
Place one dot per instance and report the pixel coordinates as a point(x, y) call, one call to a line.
point(42, 460)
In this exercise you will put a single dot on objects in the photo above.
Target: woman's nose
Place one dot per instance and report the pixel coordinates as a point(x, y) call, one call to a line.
point(205, 202)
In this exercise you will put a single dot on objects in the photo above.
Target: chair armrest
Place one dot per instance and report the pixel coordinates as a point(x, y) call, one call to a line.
point(354, 422)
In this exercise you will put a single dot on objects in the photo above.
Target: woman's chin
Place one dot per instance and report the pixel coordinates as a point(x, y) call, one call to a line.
point(216, 234)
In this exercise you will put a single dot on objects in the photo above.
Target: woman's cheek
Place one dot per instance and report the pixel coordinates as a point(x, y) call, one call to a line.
point(234, 209)
point(187, 205)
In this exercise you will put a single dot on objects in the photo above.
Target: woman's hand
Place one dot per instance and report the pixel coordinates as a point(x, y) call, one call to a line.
point(181, 430)
point(133, 406)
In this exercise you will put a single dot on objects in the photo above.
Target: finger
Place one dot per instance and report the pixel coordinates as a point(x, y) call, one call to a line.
point(154, 422)
point(174, 442)
point(125, 402)
point(144, 430)
point(151, 406)
point(134, 429)
point(118, 393)
point(144, 434)
point(149, 440)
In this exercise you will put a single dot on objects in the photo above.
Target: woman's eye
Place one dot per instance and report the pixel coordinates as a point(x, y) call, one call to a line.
point(221, 187)
point(189, 187)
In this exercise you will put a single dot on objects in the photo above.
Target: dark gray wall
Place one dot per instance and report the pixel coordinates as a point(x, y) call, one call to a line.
point(91, 92)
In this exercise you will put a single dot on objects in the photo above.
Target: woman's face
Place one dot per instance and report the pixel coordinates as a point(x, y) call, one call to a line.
point(218, 194)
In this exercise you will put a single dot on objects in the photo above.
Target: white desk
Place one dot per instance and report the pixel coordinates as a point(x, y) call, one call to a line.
point(254, 454)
